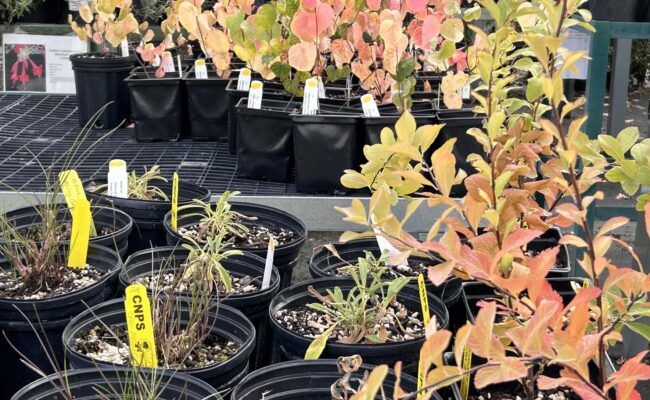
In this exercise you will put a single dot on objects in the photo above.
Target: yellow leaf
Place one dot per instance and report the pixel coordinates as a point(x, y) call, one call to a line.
point(443, 376)
point(405, 127)
point(612, 224)
point(317, 346)
point(86, 13)
point(406, 149)
point(353, 180)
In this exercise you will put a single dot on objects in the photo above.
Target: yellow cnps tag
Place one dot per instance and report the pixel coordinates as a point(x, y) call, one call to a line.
point(256, 85)
point(175, 202)
point(246, 72)
point(200, 62)
point(80, 236)
point(166, 54)
point(140, 326)
point(312, 83)
point(73, 190)
point(467, 364)
point(424, 301)
point(149, 46)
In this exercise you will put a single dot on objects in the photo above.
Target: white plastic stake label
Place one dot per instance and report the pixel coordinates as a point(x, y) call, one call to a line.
point(384, 244)
point(310, 98)
point(180, 67)
point(244, 79)
point(268, 267)
point(321, 88)
point(465, 92)
point(124, 48)
point(255, 95)
point(200, 70)
point(168, 62)
point(369, 106)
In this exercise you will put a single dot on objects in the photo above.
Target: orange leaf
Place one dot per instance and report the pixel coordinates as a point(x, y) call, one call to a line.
point(482, 340)
point(509, 370)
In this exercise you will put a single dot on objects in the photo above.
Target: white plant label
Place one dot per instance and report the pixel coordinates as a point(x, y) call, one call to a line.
point(124, 48)
point(244, 79)
point(321, 88)
point(369, 106)
point(394, 89)
point(200, 70)
point(384, 244)
point(310, 98)
point(465, 92)
point(180, 67)
point(268, 266)
point(168, 62)
point(255, 95)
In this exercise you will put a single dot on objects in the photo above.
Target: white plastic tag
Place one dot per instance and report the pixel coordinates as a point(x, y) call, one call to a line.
point(268, 267)
point(394, 89)
point(369, 106)
point(180, 67)
point(255, 95)
point(321, 88)
point(244, 79)
point(168, 62)
point(124, 48)
point(465, 92)
point(200, 70)
point(310, 98)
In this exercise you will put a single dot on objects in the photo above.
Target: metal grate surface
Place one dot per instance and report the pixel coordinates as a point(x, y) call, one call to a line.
point(36, 132)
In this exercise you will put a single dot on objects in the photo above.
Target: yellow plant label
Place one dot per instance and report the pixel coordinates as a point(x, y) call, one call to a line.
point(80, 235)
point(175, 202)
point(424, 301)
point(71, 187)
point(140, 326)
point(467, 364)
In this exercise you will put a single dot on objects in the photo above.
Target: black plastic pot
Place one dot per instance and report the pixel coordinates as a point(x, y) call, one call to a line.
point(253, 305)
point(272, 91)
point(207, 106)
point(44, 12)
point(473, 292)
point(323, 264)
point(457, 122)
point(118, 221)
point(292, 380)
point(157, 105)
point(264, 140)
point(90, 383)
point(147, 215)
point(293, 346)
point(285, 256)
point(323, 147)
point(49, 317)
point(223, 320)
point(99, 80)
point(372, 126)
point(619, 11)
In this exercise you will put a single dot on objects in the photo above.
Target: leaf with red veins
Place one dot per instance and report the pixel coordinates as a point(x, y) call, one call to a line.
point(509, 369)
point(532, 339)
point(482, 340)
point(308, 25)
point(571, 381)
point(626, 378)
point(342, 51)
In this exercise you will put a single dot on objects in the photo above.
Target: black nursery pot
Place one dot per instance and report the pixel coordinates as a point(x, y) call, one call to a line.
point(90, 383)
point(291, 380)
point(147, 214)
point(103, 217)
point(292, 346)
point(285, 255)
point(323, 264)
point(272, 91)
point(223, 320)
point(253, 305)
point(619, 11)
point(457, 122)
point(49, 317)
point(324, 146)
point(99, 80)
point(473, 292)
point(157, 105)
point(264, 140)
point(207, 106)
point(372, 126)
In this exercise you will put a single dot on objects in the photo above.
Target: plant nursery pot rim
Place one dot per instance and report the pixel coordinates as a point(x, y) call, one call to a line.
point(181, 254)
point(140, 78)
point(108, 274)
point(435, 304)
point(74, 327)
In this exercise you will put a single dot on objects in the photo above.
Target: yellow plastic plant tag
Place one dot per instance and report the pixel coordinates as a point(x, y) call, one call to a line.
point(467, 364)
point(175, 202)
point(80, 236)
point(72, 191)
point(424, 301)
point(140, 326)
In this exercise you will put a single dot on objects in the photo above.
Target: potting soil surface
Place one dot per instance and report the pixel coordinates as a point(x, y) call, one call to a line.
point(37, 130)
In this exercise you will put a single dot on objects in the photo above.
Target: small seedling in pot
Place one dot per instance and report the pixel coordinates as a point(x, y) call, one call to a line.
point(203, 268)
point(140, 187)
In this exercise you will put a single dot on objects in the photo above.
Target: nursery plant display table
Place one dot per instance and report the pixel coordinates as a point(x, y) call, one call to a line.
point(36, 130)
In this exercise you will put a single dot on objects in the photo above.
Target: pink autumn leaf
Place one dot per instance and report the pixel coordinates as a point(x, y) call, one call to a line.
point(160, 72)
point(416, 5)
point(430, 30)
point(374, 4)
point(309, 4)
point(302, 56)
point(308, 25)
point(460, 60)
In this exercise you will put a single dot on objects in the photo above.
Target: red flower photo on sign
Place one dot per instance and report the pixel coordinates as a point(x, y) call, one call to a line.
point(25, 67)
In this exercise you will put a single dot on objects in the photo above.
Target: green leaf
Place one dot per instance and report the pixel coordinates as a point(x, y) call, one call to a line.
point(452, 29)
point(318, 344)
point(534, 89)
point(367, 38)
point(615, 174)
point(405, 68)
point(628, 137)
point(640, 328)
point(611, 147)
point(472, 13)
point(265, 16)
point(281, 70)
